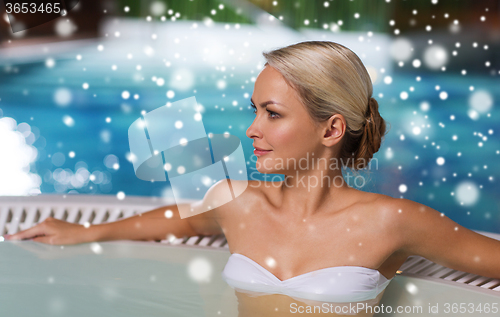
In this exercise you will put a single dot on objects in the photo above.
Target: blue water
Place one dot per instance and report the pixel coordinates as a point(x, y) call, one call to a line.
point(27, 95)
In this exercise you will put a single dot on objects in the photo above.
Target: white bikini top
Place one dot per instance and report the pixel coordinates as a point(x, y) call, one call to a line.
point(340, 284)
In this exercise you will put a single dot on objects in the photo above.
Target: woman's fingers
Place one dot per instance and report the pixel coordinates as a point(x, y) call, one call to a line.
point(28, 233)
point(44, 239)
point(52, 231)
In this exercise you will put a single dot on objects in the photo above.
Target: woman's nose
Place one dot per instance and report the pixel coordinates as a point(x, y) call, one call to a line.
point(254, 130)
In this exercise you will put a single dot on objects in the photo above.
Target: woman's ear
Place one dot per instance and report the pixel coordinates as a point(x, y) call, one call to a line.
point(333, 130)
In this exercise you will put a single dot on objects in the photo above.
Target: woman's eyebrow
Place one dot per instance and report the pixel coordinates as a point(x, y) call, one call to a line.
point(265, 103)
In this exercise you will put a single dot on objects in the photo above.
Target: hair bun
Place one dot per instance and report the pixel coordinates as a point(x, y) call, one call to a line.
point(373, 134)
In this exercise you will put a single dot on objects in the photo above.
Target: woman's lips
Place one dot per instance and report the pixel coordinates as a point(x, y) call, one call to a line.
point(260, 152)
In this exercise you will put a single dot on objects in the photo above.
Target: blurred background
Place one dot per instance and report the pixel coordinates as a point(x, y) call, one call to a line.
point(70, 88)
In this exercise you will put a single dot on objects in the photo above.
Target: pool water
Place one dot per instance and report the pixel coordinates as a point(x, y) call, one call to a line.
point(113, 279)
point(124, 278)
point(130, 278)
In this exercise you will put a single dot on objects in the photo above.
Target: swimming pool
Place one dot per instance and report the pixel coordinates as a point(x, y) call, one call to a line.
point(172, 278)
point(117, 279)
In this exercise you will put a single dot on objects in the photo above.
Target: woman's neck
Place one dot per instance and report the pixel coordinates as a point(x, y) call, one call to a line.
point(308, 193)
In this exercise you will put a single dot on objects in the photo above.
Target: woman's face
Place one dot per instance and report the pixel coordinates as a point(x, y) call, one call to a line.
point(282, 125)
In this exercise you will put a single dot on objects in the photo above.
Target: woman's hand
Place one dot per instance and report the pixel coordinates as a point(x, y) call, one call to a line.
point(53, 231)
point(146, 226)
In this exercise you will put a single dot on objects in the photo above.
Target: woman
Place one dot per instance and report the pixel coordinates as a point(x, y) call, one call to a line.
point(314, 106)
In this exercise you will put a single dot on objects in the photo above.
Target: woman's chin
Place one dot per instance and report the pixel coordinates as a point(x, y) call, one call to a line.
point(266, 165)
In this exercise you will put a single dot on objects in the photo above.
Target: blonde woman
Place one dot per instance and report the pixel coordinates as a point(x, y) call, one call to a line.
point(313, 103)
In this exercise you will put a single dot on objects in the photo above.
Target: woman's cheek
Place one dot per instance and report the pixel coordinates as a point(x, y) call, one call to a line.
point(287, 143)
point(284, 136)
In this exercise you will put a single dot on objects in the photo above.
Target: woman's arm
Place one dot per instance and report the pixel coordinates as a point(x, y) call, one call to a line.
point(430, 234)
point(151, 225)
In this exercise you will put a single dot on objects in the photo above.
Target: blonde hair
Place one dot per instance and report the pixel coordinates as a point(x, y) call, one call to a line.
point(331, 79)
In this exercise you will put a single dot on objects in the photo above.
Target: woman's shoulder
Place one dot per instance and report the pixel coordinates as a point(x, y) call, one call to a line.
point(250, 194)
point(385, 205)
point(368, 199)
point(247, 187)
point(379, 200)
point(256, 187)
point(239, 192)
point(396, 215)
point(379, 206)
point(388, 205)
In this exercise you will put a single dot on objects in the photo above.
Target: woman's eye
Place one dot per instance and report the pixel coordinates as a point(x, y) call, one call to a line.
point(273, 115)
